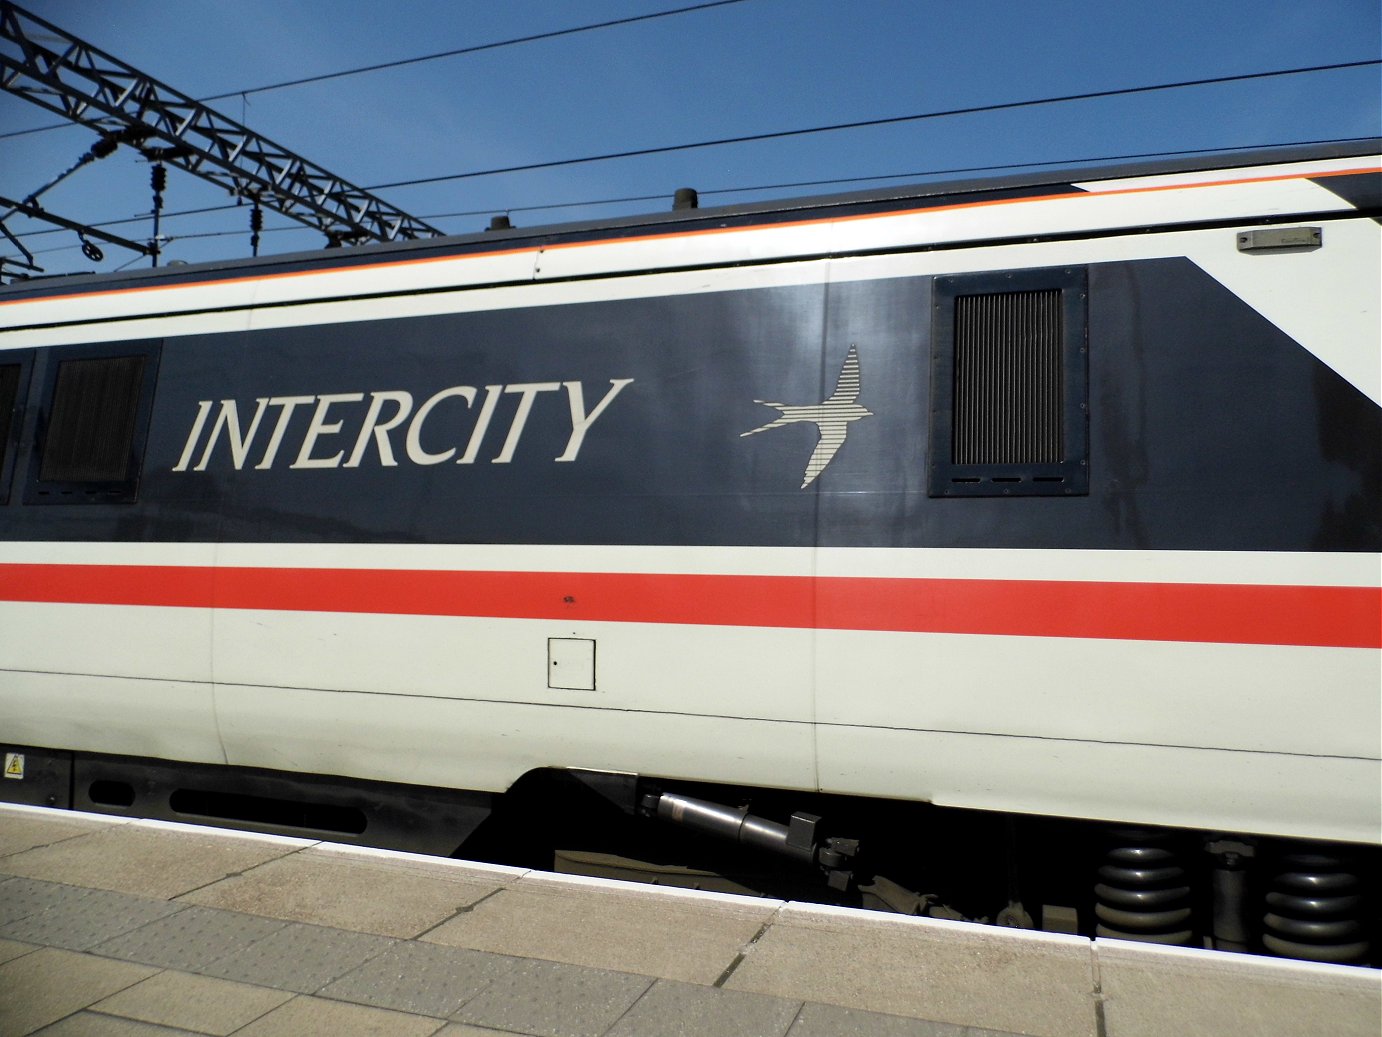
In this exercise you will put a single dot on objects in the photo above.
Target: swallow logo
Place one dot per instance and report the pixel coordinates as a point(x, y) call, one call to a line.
point(832, 417)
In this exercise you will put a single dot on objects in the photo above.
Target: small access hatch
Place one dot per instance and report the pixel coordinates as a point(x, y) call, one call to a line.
point(571, 663)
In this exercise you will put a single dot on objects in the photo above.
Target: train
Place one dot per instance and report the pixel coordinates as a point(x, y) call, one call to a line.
point(1003, 548)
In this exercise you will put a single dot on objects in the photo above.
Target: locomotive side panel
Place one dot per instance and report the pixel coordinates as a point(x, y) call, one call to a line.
point(1234, 486)
point(375, 530)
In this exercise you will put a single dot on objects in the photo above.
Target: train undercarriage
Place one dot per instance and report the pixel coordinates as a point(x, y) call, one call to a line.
point(1228, 891)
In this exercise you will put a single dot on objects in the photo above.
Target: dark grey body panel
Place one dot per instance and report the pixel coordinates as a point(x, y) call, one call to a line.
point(1209, 430)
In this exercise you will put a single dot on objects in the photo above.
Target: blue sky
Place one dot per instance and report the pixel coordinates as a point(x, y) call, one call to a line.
point(751, 67)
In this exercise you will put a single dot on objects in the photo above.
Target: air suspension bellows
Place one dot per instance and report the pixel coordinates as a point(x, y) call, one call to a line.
point(1143, 889)
point(1315, 910)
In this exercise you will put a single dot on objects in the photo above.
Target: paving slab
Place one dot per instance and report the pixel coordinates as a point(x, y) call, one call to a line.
point(20, 898)
point(549, 999)
point(597, 958)
point(21, 830)
point(671, 1009)
point(189, 940)
point(1033, 983)
point(422, 978)
point(1149, 992)
point(143, 859)
point(11, 949)
point(95, 1024)
point(667, 934)
point(198, 1003)
point(316, 1017)
point(361, 893)
point(833, 1021)
point(404, 860)
point(79, 923)
point(43, 987)
point(301, 958)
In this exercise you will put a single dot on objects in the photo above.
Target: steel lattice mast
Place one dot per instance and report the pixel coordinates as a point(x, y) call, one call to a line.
point(90, 87)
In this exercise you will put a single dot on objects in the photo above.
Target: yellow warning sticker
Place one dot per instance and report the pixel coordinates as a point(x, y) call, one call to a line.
point(14, 765)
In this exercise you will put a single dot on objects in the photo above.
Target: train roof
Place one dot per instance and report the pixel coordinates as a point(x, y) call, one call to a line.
point(928, 195)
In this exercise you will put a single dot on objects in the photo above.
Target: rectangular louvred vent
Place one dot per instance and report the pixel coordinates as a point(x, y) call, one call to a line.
point(9, 396)
point(91, 426)
point(1009, 385)
point(93, 418)
point(9, 390)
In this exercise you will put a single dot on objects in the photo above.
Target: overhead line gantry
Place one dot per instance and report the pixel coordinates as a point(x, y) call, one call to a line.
point(53, 69)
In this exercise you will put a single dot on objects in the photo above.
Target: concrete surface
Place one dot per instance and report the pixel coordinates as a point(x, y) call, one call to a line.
point(644, 930)
point(145, 859)
point(348, 891)
point(950, 972)
point(1189, 991)
point(130, 929)
point(196, 1003)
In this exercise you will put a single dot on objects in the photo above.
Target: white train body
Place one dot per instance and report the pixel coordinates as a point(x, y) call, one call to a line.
point(444, 514)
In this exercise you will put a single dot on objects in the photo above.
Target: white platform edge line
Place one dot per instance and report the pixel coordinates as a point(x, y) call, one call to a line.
point(1112, 952)
point(59, 812)
point(192, 828)
point(832, 914)
point(405, 856)
point(649, 890)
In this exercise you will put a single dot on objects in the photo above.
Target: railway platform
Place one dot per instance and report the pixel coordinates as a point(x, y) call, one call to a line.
point(133, 928)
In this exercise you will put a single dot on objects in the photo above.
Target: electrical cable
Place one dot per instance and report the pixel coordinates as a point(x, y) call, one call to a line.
point(1000, 167)
point(477, 48)
point(296, 228)
point(890, 120)
point(139, 217)
point(191, 237)
point(893, 176)
point(867, 123)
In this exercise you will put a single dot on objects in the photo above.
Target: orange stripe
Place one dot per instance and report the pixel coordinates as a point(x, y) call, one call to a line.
point(396, 264)
point(1339, 617)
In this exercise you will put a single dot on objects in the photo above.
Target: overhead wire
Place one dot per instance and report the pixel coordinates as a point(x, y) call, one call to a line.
point(898, 176)
point(457, 52)
point(772, 135)
point(477, 48)
point(868, 123)
point(741, 139)
point(180, 237)
point(715, 191)
point(888, 120)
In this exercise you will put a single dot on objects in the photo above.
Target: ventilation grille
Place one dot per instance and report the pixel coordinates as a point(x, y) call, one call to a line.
point(9, 389)
point(1008, 396)
point(91, 427)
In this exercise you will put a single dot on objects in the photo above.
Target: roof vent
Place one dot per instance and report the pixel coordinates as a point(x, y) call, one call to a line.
point(685, 198)
point(499, 223)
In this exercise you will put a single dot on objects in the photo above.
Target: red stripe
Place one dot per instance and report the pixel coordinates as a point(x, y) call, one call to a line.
point(1343, 617)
